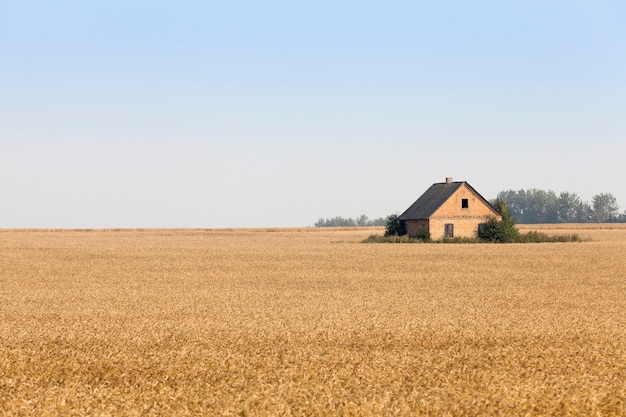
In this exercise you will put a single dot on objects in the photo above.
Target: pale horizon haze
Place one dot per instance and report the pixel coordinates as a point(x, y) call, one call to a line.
point(273, 114)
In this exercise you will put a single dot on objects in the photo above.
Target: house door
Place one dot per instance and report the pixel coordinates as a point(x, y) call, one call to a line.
point(449, 230)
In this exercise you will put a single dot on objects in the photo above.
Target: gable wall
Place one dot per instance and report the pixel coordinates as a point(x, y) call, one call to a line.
point(465, 221)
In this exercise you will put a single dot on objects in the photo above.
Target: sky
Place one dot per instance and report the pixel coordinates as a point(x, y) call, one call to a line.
point(274, 113)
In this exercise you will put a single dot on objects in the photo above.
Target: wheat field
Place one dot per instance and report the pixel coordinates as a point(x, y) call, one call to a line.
point(309, 322)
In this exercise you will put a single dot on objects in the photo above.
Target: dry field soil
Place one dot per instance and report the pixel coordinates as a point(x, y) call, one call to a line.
point(309, 322)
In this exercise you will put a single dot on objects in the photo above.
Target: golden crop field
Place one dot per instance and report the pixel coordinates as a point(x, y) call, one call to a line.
point(309, 322)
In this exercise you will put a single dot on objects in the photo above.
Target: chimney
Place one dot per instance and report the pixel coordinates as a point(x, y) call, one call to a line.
point(448, 180)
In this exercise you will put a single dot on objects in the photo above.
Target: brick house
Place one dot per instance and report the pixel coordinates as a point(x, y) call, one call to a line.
point(449, 209)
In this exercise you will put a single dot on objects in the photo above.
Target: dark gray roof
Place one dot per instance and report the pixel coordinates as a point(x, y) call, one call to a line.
point(431, 200)
point(434, 197)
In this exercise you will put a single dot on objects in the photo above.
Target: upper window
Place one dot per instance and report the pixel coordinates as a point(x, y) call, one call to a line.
point(465, 203)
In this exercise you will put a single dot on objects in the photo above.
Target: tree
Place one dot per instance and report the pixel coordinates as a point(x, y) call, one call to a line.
point(335, 222)
point(339, 221)
point(499, 230)
point(571, 209)
point(491, 231)
point(362, 220)
point(605, 208)
point(516, 202)
point(539, 206)
point(531, 206)
point(542, 206)
point(509, 230)
point(395, 226)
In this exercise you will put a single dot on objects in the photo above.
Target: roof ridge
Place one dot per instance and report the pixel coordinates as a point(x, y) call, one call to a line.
point(431, 200)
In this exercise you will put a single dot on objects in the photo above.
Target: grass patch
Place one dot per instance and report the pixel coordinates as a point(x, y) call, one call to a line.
point(459, 240)
point(393, 239)
point(539, 237)
point(529, 237)
point(407, 239)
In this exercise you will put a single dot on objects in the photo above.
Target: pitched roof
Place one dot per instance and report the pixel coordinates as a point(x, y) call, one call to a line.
point(431, 200)
point(434, 197)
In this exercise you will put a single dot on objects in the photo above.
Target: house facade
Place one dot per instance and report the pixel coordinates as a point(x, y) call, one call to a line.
point(448, 209)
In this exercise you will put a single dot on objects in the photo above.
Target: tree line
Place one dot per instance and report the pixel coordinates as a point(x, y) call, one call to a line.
point(339, 221)
point(527, 207)
point(540, 206)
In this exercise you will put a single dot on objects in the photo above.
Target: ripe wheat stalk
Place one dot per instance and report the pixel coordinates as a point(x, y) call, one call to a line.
point(280, 322)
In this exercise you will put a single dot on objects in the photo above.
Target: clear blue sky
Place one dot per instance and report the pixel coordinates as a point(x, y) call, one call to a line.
point(275, 113)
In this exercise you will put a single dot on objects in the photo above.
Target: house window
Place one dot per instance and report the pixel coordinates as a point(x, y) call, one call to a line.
point(465, 203)
point(448, 230)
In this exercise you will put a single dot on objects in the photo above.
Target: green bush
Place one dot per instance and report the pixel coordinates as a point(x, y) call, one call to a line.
point(395, 226)
point(499, 230)
point(423, 233)
point(491, 231)
point(391, 239)
point(530, 237)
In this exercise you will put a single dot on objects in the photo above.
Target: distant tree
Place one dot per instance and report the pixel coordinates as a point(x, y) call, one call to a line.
point(362, 220)
point(516, 202)
point(339, 221)
point(586, 213)
point(531, 206)
point(335, 222)
point(379, 221)
point(605, 208)
point(544, 206)
point(571, 209)
point(395, 226)
point(539, 206)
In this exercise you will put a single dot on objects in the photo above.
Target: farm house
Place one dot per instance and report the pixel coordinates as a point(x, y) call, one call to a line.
point(448, 209)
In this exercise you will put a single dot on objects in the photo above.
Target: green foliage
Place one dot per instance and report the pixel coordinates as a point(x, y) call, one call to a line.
point(459, 239)
point(499, 230)
point(539, 206)
point(571, 209)
point(509, 231)
point(530, 237)
point(423, 233)
point(531, 206)
point(491, 231)
point(395, 226)
point(339, 221)
point(605, 208)
point(538, 237)
point(392, 239)
point(504, 231)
